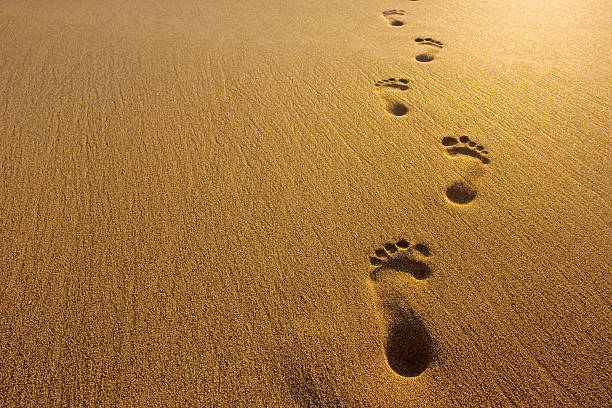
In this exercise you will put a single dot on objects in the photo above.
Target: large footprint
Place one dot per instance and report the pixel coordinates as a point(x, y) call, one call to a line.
point(428, 48)
point(389, 90)
point(409, 347)
point(464, 192)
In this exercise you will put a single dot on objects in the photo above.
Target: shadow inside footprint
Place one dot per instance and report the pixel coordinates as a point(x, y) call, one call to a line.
point(409, 348)
point(424, 57)
point(406, 264)
point(460, 193)
point(397, 109)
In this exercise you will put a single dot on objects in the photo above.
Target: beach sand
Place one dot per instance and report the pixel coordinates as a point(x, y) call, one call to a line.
point(289, 204)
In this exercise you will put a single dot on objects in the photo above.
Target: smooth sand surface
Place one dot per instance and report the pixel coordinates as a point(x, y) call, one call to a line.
point(196, 196)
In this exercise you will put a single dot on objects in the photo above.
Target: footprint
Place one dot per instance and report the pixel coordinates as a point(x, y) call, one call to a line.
point(387, 88)
point(394, 16)
point(461, 192)
point(466, 147)
point(409, 348)
point(431, 48)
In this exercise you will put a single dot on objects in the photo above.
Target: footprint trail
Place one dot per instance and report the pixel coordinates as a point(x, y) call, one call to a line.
point(461, 193)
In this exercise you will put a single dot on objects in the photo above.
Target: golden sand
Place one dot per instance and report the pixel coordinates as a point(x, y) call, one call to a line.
point(305, 204)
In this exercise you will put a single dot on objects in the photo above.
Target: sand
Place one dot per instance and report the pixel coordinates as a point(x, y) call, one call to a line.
point(244, 204)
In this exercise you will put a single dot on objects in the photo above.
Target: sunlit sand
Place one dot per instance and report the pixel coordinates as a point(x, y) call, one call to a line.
point(305, 204)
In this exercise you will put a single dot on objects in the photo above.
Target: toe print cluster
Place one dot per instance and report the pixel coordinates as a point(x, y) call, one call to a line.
point(400, 84)
point(401, 256)
point(431, 47)
point(465, 147)
point(428, 41)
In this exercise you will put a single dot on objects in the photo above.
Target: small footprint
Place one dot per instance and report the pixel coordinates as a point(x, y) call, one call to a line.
point(432, 47)
point(464, 192)
point(393, 17)
point(466, 147)
point(409, 348)
point(387, 87)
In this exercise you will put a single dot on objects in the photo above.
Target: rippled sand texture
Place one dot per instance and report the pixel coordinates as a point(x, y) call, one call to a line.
point(305, 204)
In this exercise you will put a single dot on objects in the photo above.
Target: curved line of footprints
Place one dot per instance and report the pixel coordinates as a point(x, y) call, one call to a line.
point(409, 346)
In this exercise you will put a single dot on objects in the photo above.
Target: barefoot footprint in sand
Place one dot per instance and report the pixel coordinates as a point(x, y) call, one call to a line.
point(466, 147)
point(389, 90)
point(464, 192)
point(394, 17)
point(428, 48)
point(409, 347)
